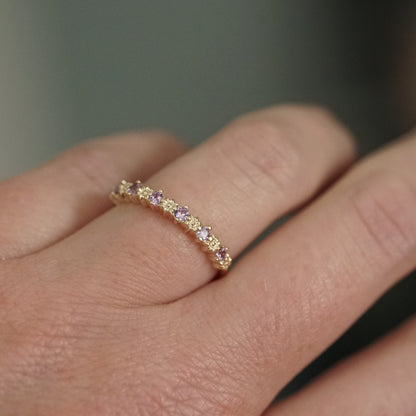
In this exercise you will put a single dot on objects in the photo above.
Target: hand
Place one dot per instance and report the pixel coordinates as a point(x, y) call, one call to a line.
point(113, 311)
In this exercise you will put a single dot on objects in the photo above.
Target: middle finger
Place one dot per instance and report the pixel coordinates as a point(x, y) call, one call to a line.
point(305, 284)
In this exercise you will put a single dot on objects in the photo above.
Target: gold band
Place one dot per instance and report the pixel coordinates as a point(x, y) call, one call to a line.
point(138, 193)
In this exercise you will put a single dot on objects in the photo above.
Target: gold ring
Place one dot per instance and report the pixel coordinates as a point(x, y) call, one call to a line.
point(137, 193)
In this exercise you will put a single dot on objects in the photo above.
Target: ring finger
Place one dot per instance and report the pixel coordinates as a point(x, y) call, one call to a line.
point(259, 167)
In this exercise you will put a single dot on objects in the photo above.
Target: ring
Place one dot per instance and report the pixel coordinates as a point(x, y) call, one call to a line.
point(137, 193)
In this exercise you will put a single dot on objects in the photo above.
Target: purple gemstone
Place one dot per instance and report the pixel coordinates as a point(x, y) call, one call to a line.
point(156, 197)
point(132, 189)
point(203, 233)
point(221, 253)
point(116, 190)
point(181, 214)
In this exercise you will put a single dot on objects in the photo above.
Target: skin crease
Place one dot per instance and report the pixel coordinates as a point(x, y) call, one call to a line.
point(114, 311)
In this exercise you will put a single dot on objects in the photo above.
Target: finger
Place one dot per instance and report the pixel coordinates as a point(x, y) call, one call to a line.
point(296, 292)
point(43, 206)
point(380, 380)
point(254, 170)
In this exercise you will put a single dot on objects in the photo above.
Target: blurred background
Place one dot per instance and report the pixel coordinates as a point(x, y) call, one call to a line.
point(70, 70)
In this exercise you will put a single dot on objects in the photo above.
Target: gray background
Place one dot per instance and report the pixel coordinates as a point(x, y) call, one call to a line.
point(70, 70)
point(75, 69)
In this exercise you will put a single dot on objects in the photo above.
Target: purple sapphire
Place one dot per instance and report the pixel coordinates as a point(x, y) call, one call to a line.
point(132, 189)
point(181, 214)
point(116, 190)
point(156, 197)
point(221, 253)
point(203, 233)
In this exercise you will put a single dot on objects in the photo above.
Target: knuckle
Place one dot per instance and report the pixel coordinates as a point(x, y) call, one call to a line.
point(384, 203)
point(298, 115)
point(276, 146)
point(263, 153)
point(308, 114)
point(148, 138)
point(319, 124)
point(87, 161)
point(313, 122)
point(93, 160)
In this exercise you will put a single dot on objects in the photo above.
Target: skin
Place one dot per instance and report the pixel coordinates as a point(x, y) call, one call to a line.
point(115, 311)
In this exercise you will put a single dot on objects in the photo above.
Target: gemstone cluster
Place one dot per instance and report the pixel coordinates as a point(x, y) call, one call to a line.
point(136, 192)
